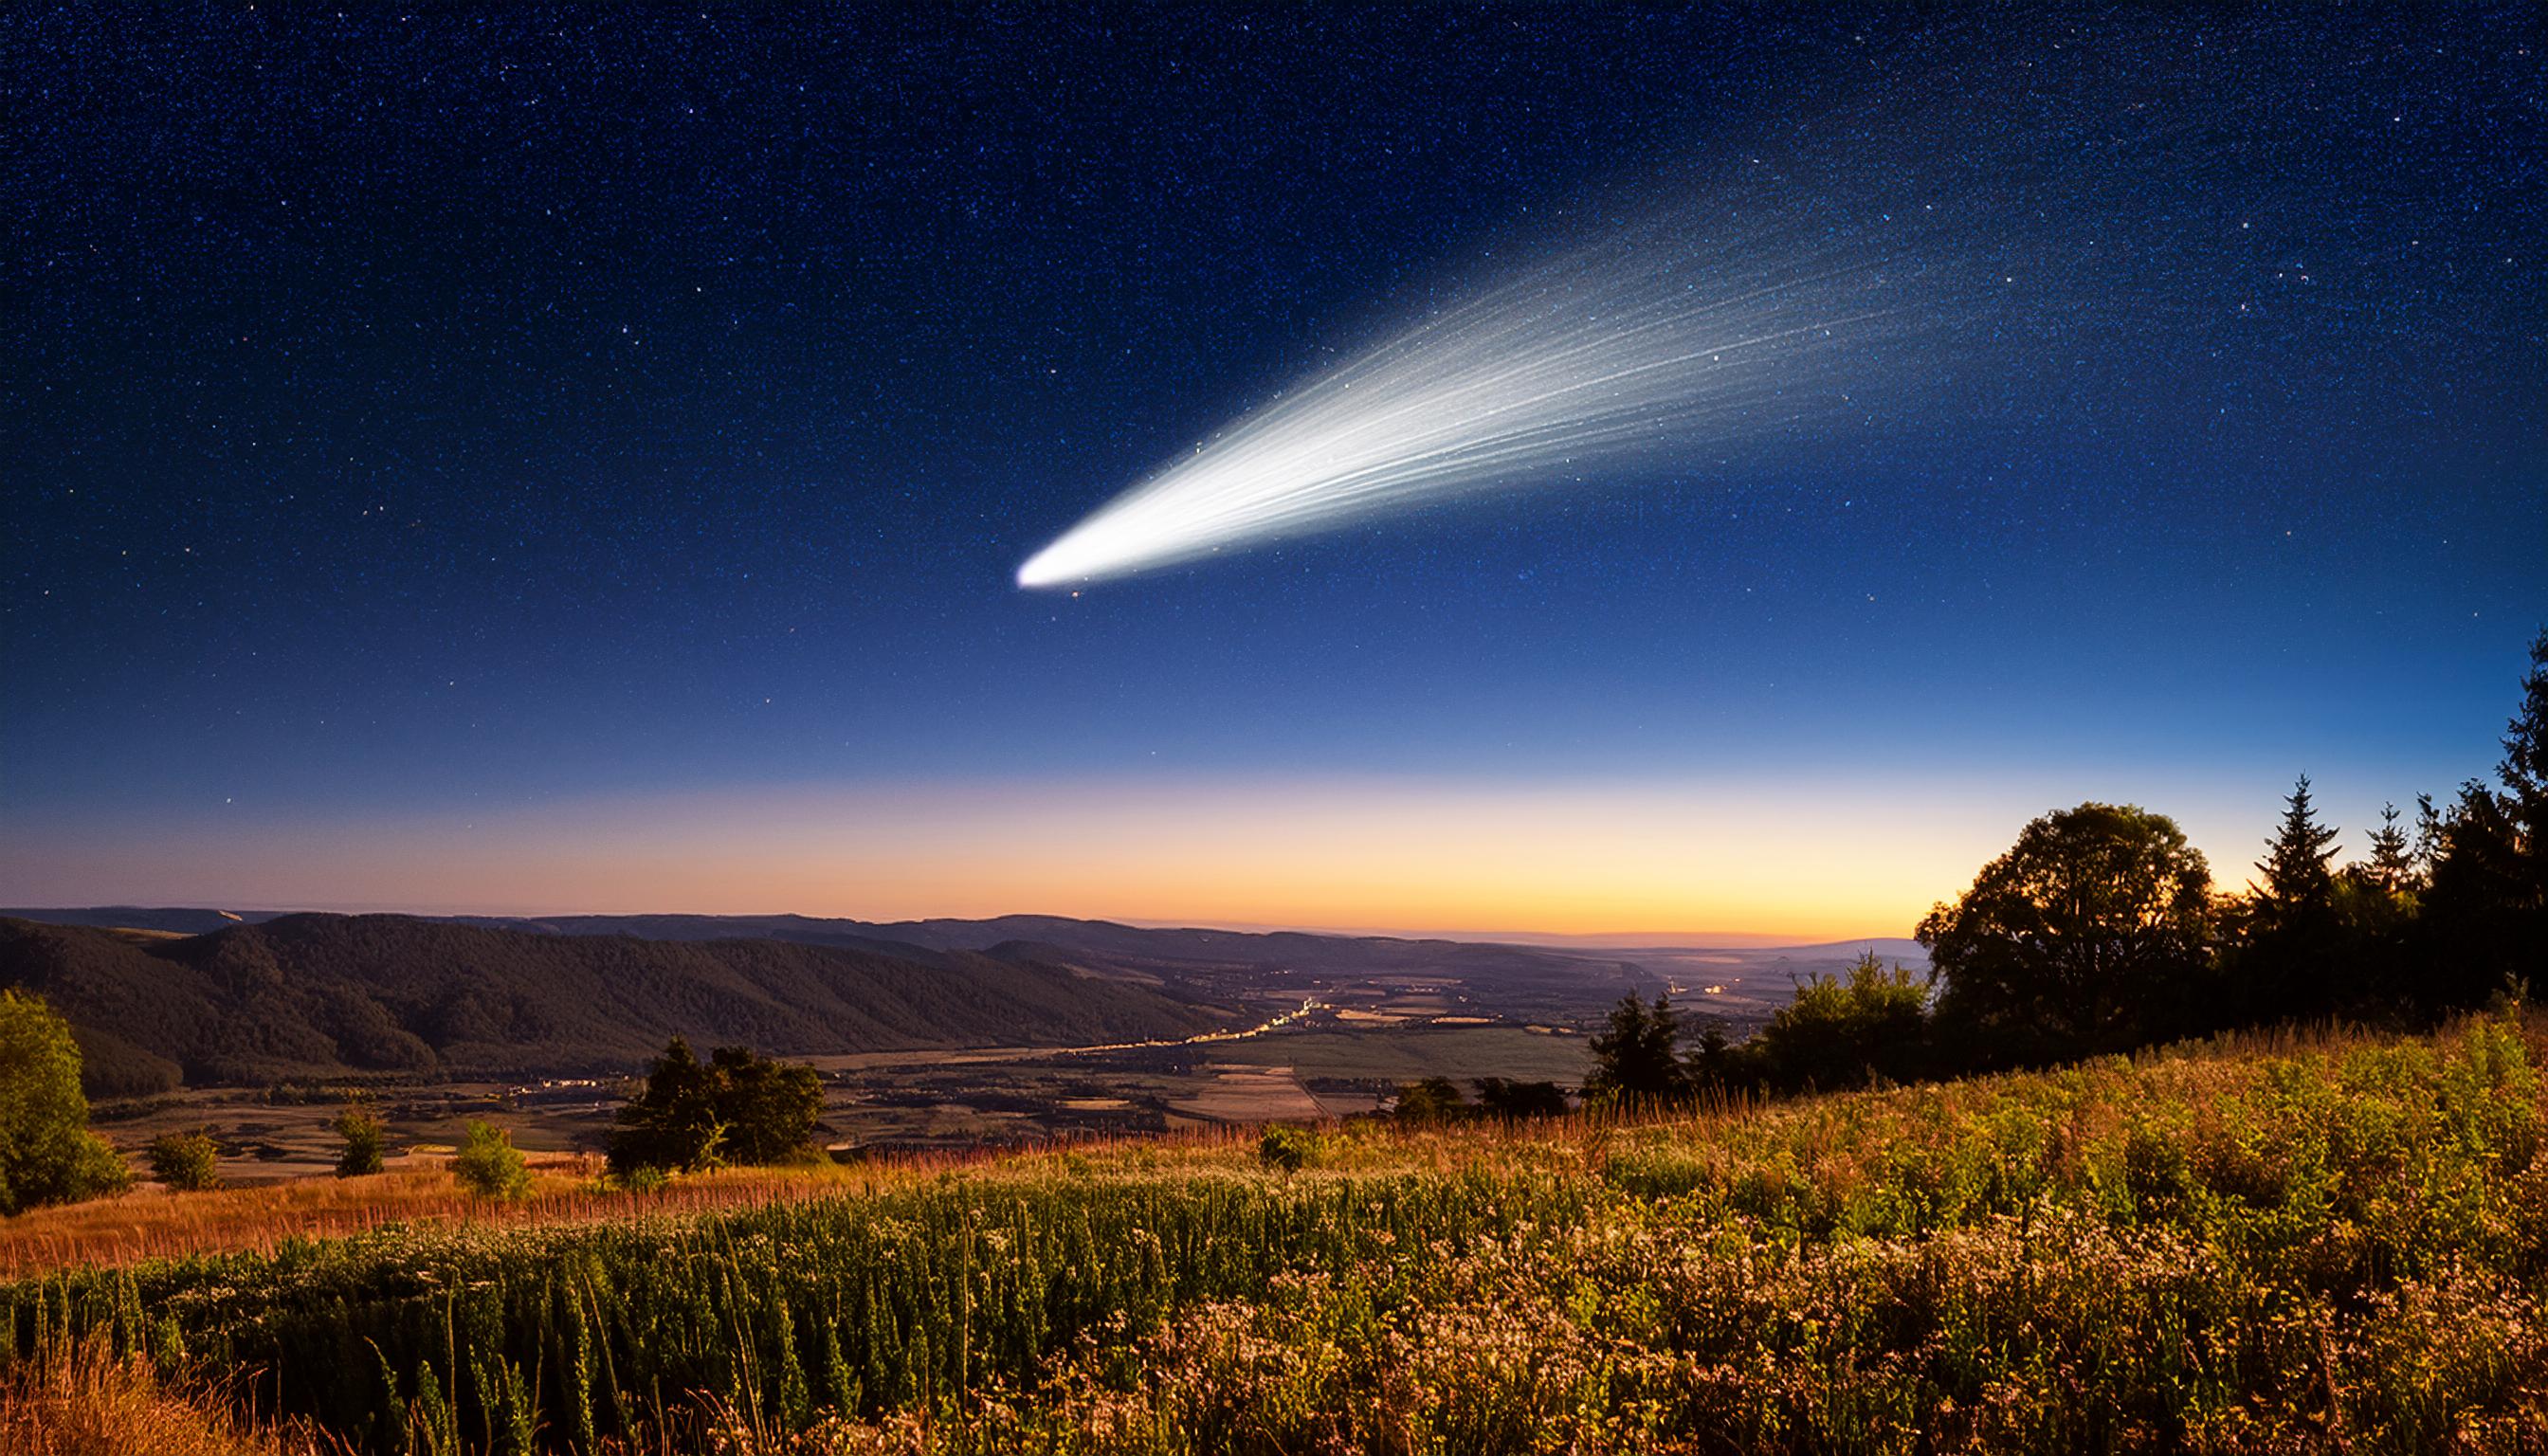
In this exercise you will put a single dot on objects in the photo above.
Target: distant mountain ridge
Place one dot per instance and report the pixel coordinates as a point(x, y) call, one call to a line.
point(318, 995)
point(1187, 945)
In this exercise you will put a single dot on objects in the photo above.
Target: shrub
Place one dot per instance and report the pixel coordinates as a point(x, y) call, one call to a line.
point(1499, 1097)
point(47, 1155)
point(640, 1179)
point(488, 1165)
point(186, 1162)
point(1433, 1100)
point(1286, 1147)
point(1842, 1032)
point(366, 1137)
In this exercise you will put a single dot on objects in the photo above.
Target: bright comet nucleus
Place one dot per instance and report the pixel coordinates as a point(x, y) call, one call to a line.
point(1630, 348)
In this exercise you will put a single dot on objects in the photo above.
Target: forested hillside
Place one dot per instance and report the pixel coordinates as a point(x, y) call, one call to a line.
point(313, 996)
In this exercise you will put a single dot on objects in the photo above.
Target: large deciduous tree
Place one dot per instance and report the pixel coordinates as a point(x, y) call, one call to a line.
point(47, 1155)
point(737, 1107)
point(2089, 936)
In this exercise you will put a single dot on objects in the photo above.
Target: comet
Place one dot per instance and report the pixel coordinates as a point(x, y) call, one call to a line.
point(1638, 348)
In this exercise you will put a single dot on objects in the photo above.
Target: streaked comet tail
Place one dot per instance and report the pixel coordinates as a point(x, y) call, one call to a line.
point(1633, 348)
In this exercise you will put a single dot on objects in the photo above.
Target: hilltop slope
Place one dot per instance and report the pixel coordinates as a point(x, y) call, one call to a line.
point(2296, 1245)
point(313, 996)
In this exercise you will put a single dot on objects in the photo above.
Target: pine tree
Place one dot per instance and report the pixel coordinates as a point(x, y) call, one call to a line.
point(2429, 830)
point(2294, 866)
point(1636, 1059)
point(2524, 772)
point(2294, 957)
point(2487, 913)
point(2393, 861)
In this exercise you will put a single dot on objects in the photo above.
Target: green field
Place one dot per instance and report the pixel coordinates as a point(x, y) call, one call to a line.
point(1407, 1053)
point(2340, 1245)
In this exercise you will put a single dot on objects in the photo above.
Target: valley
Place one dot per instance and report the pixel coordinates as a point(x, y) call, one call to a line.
point(1226, 1028)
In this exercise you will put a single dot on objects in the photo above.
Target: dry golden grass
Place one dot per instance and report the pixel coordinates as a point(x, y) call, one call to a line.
point(88, 1402)
point(152, 1223)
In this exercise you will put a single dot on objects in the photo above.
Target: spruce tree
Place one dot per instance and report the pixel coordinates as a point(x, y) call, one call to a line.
point(2393, 861)
point(1636, 1057)
point(2524, 772)
point(2292, 959)
point(2485, 917)
point(2294, 866)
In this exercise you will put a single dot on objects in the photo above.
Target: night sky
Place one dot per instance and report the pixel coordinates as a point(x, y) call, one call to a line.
point(559, 460)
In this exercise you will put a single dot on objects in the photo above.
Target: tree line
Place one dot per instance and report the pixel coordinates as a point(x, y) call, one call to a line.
point(2102, 930)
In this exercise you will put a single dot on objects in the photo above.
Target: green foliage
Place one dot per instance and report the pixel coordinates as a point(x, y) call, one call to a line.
point(1286, 1148)
point(47, 1155)
point(640, 1179)
point(488, 1165)
point(2090, 935)
point(311, 996)
point(1433, 1100)
point(737, 1107)
point(185, 1162)
point(2204, 1251)
point(366, 1138)
point(1844, 1031)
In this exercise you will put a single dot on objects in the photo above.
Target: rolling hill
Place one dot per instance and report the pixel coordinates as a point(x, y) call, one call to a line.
point(318, 995)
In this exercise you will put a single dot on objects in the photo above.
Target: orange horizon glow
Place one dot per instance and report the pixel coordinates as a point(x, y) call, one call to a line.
point(1736, 861)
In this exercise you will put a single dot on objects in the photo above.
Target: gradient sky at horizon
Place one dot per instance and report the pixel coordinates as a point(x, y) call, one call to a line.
point(539, 459)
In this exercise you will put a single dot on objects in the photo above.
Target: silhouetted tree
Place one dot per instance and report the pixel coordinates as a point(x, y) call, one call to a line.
point(2428, 840)
point(1515, 1101)
point(1716, 1065)
point(2376, 904)
point(1635, 1057)
point(2289, 954)
point(2296, 862)
point(2485, 919)
point(2392, 865)
point(2088, 936)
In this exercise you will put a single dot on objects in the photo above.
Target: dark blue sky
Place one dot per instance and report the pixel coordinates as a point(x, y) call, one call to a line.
point(459, 413)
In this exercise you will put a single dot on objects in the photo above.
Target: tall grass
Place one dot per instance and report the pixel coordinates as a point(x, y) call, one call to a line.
point(2339, 1245)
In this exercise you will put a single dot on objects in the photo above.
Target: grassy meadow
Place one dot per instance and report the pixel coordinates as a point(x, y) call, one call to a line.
point(2335, 1242)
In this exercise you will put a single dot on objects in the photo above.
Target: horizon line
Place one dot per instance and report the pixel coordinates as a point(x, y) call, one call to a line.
point(1602, 939)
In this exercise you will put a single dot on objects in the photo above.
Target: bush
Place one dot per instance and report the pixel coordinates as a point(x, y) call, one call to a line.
point(366, 1137)
point(47, 1155)
point(1843, 1032)
point(186, 1162)
point(1286, 1147)
point(1512, 1101)
point(639, 1180)
point(488, 1165)
point(1435, 1099)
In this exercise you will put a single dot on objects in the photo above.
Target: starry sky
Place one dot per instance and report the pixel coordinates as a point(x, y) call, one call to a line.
point(541, 459)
